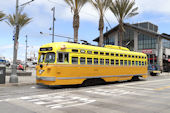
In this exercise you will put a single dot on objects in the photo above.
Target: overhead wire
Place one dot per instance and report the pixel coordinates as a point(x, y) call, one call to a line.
point(52, 1)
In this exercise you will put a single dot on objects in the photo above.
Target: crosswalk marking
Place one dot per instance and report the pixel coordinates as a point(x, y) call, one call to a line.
point(56, 100)
point(110, 92)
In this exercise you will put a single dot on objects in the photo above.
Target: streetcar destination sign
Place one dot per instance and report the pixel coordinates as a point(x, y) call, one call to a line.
point(46, 49)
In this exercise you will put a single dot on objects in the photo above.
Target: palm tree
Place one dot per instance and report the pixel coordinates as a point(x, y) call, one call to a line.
point(123, 9)
point(23, 20)
point(76, 6)
point(2, 16)
point(101, 6)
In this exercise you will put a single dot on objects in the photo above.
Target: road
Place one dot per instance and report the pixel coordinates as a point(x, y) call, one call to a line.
point(144, 96)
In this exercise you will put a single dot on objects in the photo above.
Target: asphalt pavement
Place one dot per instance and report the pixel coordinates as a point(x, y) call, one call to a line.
point(144, 96)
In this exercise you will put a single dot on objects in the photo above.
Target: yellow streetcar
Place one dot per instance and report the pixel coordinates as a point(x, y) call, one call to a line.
point(64, 63)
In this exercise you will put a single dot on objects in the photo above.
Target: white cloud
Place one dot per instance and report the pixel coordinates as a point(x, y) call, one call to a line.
point(156, 6)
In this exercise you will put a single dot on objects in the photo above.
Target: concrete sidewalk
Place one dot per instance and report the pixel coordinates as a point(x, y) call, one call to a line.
point(24, 79)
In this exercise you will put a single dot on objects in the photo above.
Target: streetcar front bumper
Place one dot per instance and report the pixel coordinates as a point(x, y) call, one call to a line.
point(46, 78)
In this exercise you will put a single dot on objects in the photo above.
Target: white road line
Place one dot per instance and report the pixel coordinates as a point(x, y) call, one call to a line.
point(150, 89)
point(142, 82)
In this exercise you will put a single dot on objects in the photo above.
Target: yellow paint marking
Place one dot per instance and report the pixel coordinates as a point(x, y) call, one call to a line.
point(162, 88)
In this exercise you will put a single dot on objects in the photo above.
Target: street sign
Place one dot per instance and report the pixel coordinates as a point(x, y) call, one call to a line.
point(147, 51)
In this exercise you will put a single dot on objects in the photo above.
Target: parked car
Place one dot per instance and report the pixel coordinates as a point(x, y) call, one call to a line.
point(154, 70)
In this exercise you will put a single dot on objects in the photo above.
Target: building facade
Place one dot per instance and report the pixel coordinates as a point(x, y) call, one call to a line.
point(141, 37)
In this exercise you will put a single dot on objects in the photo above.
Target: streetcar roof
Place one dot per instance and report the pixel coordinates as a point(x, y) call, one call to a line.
point(57, 46)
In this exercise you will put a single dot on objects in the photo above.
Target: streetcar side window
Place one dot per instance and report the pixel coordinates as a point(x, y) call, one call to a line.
point(129, 63)
point(63, 58)
point(89, 60)
point(60, 57)
point(136, 63)
point(112, 54)
point(107, 54)
point(82, 60)
point(139, 63)
point(121, 62)
point(95, 60)
point(133, 63)
point(75, 50)
point(117, 62)
point(96, 53)
point(74, 60)
point(125, 62)
point(101, 61)
point(101, 53)
point(107, 61)
point(112, 62)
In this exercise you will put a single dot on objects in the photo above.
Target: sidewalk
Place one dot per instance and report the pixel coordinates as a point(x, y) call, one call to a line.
point(24, 79)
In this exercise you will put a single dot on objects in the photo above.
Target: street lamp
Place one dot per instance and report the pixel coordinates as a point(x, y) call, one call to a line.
point(14, 77)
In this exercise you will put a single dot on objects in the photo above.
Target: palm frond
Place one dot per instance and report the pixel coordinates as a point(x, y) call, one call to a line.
point(23, 20)
point(2, 16)
point(76, 4)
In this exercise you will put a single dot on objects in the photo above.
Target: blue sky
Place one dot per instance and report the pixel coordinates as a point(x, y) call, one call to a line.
point(156, 11)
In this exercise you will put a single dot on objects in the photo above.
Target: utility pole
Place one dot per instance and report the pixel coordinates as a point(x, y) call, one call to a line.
point(53, 9)
point(26, 52)
point(14, 77)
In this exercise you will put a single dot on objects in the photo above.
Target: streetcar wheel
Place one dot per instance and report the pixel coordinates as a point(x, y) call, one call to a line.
point(135, 78)
point(92, 82)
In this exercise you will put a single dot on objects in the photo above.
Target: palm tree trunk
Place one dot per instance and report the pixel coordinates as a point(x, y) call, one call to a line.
point(101, 27)
point(121, 29)
point(120, 37)
point(76, 25)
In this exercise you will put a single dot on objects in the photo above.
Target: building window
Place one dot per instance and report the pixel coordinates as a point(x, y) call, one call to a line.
point(146, 42)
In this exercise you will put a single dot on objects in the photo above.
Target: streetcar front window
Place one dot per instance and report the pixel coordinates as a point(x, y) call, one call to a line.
point(50, 58)
point(41, 60)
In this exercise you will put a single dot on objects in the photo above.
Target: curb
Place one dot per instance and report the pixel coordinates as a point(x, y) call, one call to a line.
point(16, 84)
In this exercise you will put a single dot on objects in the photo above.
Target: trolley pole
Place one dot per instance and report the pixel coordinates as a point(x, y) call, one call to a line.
point(26, 52)
point(53, 9)
point(14, 77)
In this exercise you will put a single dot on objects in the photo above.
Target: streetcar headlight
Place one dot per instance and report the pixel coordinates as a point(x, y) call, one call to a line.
point(41, 71)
